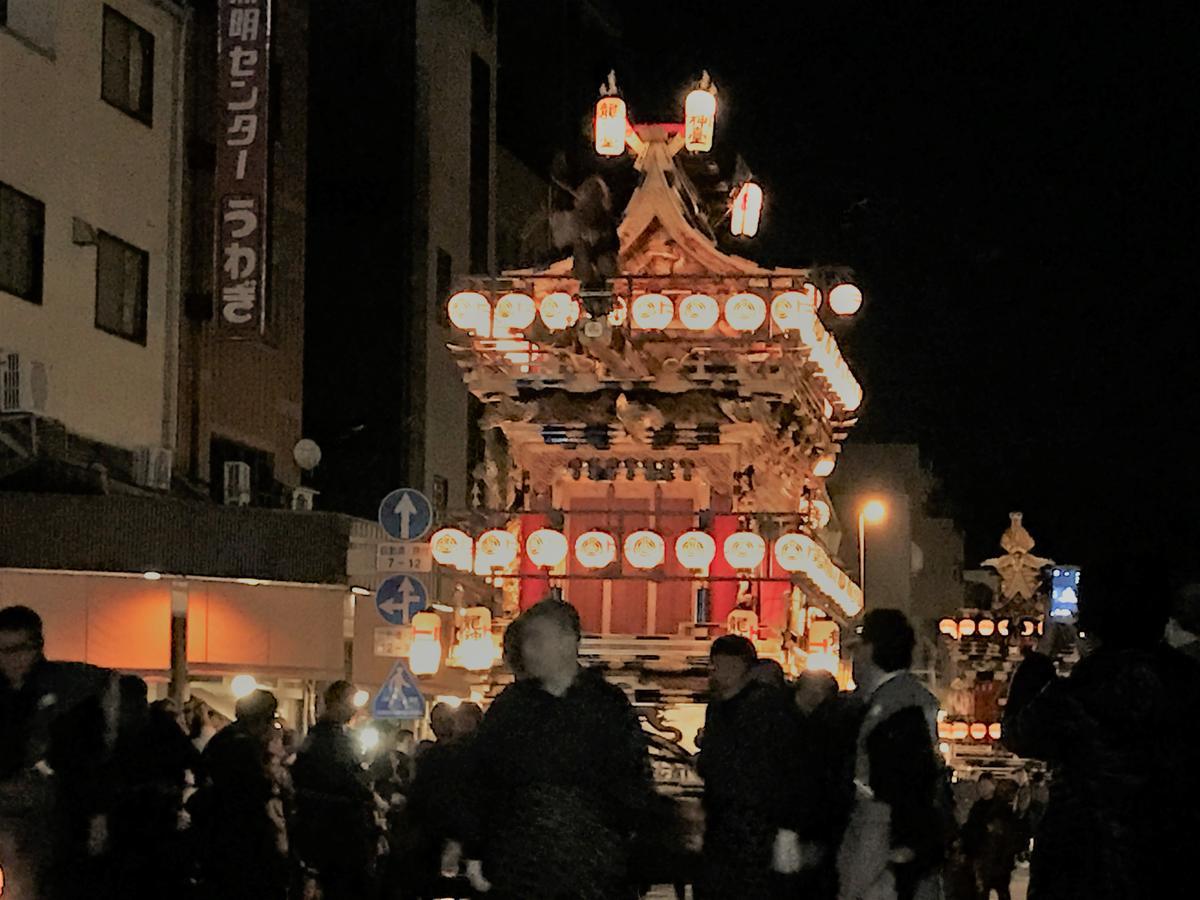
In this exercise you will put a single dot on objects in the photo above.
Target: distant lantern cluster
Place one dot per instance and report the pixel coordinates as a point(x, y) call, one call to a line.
point(976, 731)
point(496, 551)
point(984, 627)
point(790, 312)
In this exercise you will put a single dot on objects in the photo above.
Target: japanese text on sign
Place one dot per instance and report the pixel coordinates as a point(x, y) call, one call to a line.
point(241, 174)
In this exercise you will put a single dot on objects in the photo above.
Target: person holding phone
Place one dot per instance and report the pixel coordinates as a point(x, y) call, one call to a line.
point(1105, 731)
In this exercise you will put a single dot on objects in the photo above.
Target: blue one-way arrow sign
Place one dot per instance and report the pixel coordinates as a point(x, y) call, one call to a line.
point(399, 696)
point(406, 514)
point(401, 597)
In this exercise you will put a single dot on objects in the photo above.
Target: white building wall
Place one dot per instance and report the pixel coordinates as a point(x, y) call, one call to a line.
point(84, 158)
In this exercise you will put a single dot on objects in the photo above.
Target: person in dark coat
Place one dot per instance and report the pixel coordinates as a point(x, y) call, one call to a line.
point(1002, 839)
point(974, 830)
point(57, 721)
point(748, 763)
point(244, 848)
point(1107, 733)
point(559, 775)
point(335, 803)
point(895, 841)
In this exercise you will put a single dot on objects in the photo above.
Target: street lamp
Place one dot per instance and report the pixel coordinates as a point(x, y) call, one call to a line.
point(872, 512)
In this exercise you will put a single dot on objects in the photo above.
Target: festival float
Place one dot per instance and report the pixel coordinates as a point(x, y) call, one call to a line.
point(660, 416)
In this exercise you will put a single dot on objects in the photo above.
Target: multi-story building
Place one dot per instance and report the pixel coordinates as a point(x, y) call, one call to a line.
point(133, 393)
point(410, 149)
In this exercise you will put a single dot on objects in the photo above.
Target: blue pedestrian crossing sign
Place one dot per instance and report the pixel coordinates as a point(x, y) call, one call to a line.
point(406, 514)
point(401, 597)
point(399, 696)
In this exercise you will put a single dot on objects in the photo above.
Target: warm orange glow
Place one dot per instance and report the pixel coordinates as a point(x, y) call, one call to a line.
point(744, 550)
point(814, 294)
point(1028, 627)
point(470, 311)
point(514, 312)
point(845, 299)
point(558, 311)
point(1002, 627)
point(960, 731)
point(495, 549)
point(823, 467)
point(822, 513)
point(746, 312)
point(609, 125)
point(792, 310)
point(452, 547)
point(945, 731)
point(546, 548)
point(978, 731)
point(699, 113)
point(801, 554)
point(695, 550)
point(966, 627)
point(986, 627)
point(619, 312)
point(651, 312)
point(949, 627)
point(645, 549)
point(995, 731)
point(831, 366)
point(747, 210)
point(698, 312)
point(475, 648)
point(874, 512)
point(595, 549)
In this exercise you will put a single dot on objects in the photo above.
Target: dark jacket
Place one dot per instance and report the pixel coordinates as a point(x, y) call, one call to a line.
point(333, 799)
point(1105, 731)
point(558, 786)
point(750, 767)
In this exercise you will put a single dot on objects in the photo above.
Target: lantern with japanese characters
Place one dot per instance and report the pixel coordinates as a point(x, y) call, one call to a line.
point(495, 551)
point(425, 652)
point(645, 549)
point(610, 125)
point(452, 547)
point(475, 648)
point(546, 548)
point(595, 549)
point(470, 311)
point(695, 550)
point(699, 117)
point(743, 622)
point(744, 550)
point(746, 211)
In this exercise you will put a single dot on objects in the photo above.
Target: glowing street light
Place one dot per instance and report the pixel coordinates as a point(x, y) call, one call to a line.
point(873, 512)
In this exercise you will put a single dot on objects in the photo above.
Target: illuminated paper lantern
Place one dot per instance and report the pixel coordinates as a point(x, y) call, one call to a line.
point(651, 312)
point(514, 312)
point(699, 312)
point(475, 648)
point(425, 653)
point(845, 299)
point(961, 731)
point(823, 467)
point(610, 125)
point(744, 550)
point(978, 731)
point(792, 310)
point(949, 627)
point(743, 622)
point(595, 549)
point(452, 547)
point(821, 513)
point(995, 731)
point(546, 548)
point(790, 551)
point(746, 211)
point(558, 311)
point(495, 549)
point(695, 550)
point(470, 311)
point(966, 627)
point(645, 549)
point(699, 117)
point(746, 312)
point(986, 627)
point(1002, 627)
point(619, 312)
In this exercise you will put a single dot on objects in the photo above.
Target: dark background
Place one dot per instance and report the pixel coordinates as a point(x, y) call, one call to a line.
point(1015, 184)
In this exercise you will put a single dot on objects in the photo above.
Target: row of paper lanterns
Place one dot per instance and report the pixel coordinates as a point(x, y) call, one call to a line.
point(958, 629)
point(496, 550)
point(976, 731)
point(514, 311)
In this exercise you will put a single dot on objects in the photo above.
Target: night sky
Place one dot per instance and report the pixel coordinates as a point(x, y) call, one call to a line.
point(1015, 184)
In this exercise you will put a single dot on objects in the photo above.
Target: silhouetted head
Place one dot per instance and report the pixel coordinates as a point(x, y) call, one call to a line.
point(813, 688)
point(339, 703)
point(548, 634)
point(21, 643)
point(732, 659)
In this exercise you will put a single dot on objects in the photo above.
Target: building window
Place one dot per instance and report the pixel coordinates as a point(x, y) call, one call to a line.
point(32, 20)
point(481, 163)
point(22, 234)
point(121, 288)
point(127, 71)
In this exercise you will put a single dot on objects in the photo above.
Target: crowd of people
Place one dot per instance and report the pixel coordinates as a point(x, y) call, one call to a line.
point(809, 792)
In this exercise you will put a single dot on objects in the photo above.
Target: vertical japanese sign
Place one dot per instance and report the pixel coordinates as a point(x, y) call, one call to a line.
point(243, 148)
